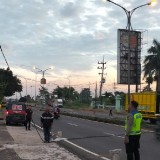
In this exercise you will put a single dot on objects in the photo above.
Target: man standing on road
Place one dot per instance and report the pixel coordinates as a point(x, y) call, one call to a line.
point(46, 123)
point(28, 117)
point(133, 132)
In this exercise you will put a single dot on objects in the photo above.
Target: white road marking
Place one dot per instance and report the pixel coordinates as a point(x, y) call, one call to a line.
point(114, 135)
point(148, 131)
point(109, 134)
point(120, 136)
point(72, 124)
point(36, 125)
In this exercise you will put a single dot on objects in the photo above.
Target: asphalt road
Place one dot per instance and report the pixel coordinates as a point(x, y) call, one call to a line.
point(99, 137)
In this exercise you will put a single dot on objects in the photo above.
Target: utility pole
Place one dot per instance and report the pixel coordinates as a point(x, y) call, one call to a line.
point(114, 87)
point(102, 78)
point(96, 96)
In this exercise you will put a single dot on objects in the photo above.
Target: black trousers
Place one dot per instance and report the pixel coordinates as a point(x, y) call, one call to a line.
point(46, 131)
point(132, 148)
point(28, 123)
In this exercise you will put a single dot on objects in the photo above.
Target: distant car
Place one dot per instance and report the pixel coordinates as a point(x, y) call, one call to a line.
point(15, 113)
point(58, 103)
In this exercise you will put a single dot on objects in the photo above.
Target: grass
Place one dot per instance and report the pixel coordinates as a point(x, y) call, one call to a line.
point(76, 105)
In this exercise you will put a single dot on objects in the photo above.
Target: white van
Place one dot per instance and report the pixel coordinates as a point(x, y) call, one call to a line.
point(58, 103)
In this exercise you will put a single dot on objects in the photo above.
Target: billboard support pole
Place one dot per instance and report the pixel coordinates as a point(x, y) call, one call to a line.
point(129, 27)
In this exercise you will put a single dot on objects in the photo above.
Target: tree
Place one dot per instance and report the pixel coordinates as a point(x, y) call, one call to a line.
point(123, 97)
point(66, 93)
point(43, 91)
point(149, 81)
point(9, 84)
point(110, 98)
point(44, 95)
point(59, 92)
point(85, 95)
point(152, 64)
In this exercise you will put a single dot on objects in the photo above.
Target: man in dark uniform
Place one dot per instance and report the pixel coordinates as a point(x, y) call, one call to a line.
point(28, 117)
point(46, 123)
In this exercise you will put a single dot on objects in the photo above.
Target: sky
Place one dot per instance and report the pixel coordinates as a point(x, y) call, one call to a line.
point(72, 36)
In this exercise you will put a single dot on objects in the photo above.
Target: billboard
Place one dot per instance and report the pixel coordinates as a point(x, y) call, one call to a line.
point(128, 40)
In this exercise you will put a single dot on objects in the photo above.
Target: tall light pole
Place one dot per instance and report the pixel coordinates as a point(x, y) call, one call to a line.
point(129, 28)
point(26, 79)
point(31, 91)
point(43, 71)
point(69, 86)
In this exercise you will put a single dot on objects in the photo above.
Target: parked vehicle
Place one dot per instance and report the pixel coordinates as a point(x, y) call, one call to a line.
point(15, 113)
point(58, 103)
point(149, 104)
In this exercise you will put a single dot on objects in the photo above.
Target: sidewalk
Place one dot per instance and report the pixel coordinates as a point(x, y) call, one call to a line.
point(17, 144)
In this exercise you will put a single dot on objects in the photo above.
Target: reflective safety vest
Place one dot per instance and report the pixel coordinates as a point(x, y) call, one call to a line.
point(136, 126)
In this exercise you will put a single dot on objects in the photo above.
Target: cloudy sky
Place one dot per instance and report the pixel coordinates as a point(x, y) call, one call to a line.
point(70, 35)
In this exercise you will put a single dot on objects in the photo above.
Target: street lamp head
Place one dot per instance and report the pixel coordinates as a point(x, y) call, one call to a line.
point(51, 67)
point(105, 0)
point(153, 3)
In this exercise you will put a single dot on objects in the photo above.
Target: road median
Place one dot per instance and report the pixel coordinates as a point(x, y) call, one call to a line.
point(118, 118)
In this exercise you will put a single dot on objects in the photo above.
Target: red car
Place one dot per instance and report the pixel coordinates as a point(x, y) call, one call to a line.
point(15, 113)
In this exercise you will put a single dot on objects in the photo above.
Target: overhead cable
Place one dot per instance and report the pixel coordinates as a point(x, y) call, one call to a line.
point(4, 57)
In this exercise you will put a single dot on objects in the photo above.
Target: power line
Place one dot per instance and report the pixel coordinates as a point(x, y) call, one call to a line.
point(4, 57)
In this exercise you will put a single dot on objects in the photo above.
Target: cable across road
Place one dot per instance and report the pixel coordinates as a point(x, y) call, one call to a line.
point(4, 57)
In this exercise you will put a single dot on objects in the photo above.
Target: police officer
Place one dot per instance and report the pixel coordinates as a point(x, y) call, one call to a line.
point(46, 123)
point(133, 132)
point(28, 117)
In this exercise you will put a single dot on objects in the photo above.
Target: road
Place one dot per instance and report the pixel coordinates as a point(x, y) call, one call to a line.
point(99, 137)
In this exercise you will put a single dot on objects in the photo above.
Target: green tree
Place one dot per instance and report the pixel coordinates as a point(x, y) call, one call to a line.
point(43, 91)
point(152, 64)
point(123, 97)
point(9, 84)
point(85, 95)
point(110, 98)
point(44, 95)
point(59, 92)
point(66, 93)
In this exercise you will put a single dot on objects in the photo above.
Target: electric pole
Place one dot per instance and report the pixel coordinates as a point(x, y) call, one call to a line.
point(114, 87)
point(96, 96)
point(102, 78)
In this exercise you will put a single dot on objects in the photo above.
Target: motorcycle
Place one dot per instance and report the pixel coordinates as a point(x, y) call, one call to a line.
point(56, 113)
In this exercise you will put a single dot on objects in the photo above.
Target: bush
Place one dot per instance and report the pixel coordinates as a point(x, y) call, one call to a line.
point(76, 105)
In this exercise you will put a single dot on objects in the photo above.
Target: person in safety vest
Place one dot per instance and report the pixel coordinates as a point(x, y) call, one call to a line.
point(46, 123)
point(133, 132)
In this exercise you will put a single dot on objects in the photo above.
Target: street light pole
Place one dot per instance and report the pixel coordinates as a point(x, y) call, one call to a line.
point(69, 86)
point(129, 28)
point(43, 71)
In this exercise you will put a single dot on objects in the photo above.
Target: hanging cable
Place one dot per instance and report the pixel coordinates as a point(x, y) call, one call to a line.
point(4, 57)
